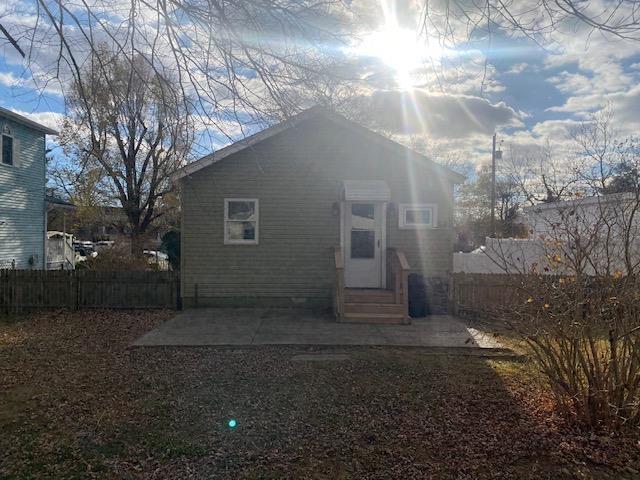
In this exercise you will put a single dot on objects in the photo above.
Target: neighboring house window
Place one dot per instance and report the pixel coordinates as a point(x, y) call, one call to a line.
point(413, 216)
point(7, 150)
point(240, 221)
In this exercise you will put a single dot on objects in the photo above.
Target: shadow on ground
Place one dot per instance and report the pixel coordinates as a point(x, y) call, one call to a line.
point(75, 402)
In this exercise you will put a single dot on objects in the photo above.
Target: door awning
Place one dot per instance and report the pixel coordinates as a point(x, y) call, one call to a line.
point(363, 190)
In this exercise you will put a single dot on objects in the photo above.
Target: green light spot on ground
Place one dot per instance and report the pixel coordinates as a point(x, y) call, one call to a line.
point(232, 423)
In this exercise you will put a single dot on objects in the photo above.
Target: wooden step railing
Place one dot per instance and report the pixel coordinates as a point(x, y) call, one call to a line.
point(400, 271)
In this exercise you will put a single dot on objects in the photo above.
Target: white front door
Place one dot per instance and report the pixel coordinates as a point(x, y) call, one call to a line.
point(364, 240)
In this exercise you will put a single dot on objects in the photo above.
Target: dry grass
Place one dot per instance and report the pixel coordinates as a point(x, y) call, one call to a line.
point(75, 402)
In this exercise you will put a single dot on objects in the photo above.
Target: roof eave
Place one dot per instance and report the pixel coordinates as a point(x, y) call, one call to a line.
point(29, 123)
point(59, 203)
point(237, 146)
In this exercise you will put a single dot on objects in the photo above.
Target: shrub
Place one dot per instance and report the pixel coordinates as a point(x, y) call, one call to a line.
point(171, 246)
point(583, 334)
point(579, 315)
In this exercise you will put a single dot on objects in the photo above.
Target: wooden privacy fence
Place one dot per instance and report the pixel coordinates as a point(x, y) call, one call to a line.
point(24, 290)
point(481, 294)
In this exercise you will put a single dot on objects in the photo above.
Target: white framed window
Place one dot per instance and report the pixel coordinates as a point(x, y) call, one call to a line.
point(241, 221)
point(417, 215)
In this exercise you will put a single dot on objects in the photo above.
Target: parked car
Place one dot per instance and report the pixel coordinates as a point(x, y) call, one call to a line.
point(102, 244)
point(84, 249)
point(159, 259)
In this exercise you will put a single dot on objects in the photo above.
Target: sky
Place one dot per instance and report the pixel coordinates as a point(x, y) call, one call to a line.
point(444, 97)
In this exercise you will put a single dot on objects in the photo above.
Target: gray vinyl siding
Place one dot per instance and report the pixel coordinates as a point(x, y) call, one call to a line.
point(297, 176)
point(22, 193)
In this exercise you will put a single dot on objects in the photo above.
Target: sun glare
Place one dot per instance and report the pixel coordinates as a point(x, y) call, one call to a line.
point(401, 49)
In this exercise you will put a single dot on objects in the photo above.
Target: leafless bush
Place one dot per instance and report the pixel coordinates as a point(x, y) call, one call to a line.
point(584, 335)
point(577, 306)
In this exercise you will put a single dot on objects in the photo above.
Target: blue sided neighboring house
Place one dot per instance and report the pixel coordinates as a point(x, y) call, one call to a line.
point(22, 191)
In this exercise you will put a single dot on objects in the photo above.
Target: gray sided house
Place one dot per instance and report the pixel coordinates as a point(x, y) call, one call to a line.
point(22, 191)
point(316, 211)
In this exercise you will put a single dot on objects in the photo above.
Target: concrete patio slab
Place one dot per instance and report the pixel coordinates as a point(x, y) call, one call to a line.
point(240, 326)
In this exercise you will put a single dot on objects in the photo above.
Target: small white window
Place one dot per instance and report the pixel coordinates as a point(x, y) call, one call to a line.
point(414, 216)
point(240, 221)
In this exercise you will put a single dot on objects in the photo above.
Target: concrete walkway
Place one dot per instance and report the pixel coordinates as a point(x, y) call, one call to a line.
point(220, 326)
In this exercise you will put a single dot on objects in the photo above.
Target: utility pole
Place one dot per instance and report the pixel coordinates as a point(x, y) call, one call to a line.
point(493, 188)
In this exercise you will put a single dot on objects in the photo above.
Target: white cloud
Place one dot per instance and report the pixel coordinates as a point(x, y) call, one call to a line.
point(48, 119)
point(437, 115)
point(575, 83)
point(8, 79)
point(625, 106)
point(555, 130)
point(517, 68)
point(599, 60)
point(626, 110)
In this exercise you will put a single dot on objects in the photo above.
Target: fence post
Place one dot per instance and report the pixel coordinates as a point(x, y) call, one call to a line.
point(452, 296)
point(4, 285)
point(178, 293)
point(76, 288)
point(13, 292)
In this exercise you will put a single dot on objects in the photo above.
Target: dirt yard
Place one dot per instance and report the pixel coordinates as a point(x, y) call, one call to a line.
point(76, 402)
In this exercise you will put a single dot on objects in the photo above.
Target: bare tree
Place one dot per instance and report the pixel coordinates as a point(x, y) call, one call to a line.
point(600, 150)
point(242, 60)
point(452, 22)
point(234, 61)
point(599, 162)
point(542, 176)
point(126, 131)
point(11, 40)
point(473, 208)
point(458, 23)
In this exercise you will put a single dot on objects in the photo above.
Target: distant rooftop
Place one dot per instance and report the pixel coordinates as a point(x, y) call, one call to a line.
point(53, 200)
point(25, 121)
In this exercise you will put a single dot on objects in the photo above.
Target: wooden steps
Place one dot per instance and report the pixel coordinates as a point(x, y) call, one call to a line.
point(374, 318)
point(368, 295)
point(372, 306)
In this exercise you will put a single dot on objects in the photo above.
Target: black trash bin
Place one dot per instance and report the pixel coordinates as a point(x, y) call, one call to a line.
point(418, 305)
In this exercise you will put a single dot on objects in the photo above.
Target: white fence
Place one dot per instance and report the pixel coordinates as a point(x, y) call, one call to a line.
point(503, 255)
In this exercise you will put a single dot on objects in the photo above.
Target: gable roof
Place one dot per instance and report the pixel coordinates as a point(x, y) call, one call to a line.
point(25, 121)
point(312, 112)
